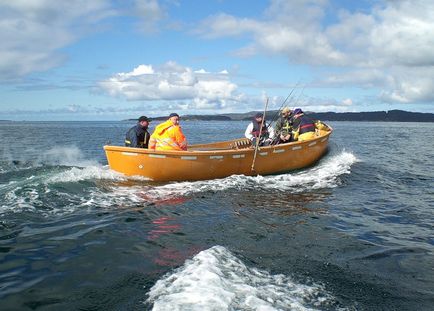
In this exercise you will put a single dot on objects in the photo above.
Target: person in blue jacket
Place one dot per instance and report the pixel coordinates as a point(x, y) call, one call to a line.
point(138, 136)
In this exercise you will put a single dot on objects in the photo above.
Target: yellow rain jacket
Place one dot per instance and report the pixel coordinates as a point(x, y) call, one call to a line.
point(168, 136)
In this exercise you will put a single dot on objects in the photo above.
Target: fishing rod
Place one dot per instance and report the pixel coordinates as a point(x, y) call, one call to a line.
point(259, 136)
point(276, 114)
point(299, 95)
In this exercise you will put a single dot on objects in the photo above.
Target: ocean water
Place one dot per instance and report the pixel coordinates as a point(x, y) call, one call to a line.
point(353, 232)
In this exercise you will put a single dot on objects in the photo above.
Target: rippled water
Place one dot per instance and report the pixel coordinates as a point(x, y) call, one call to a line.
point(353, 232)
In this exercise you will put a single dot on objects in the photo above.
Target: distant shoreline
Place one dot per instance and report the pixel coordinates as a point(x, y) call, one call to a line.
point(379, 116)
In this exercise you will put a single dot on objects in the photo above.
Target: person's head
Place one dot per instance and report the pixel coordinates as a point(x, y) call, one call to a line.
point(285, 112)
point(144, 121)
point(297, 112)
point(258, 117)
point(174, 117)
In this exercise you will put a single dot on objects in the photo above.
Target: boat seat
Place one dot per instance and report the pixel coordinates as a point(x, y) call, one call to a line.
point(242, 143)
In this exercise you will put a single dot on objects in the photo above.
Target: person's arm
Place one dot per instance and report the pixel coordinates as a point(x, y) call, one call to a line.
point(278, 126)
point(152, 143)
point(146, 141)
point(180, 138)
point(133, 140)
point(248, 132)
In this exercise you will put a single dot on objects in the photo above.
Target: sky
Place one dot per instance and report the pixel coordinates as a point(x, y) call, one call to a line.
point(120, 59)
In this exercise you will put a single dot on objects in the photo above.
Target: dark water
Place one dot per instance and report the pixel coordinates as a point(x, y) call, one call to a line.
point(354, 232)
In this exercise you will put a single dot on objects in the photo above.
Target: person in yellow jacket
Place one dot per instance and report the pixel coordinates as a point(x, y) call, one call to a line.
point(168, 135)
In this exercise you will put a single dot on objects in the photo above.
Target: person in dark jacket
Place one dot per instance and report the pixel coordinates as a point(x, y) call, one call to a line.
point(138, 135)
point(303, 126)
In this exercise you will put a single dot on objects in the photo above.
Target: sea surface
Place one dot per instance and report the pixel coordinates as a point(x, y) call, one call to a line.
point(353, 232)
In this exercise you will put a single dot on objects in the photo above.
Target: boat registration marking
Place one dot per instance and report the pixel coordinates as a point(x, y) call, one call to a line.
point(237, 156)
point(160, 156)
point(130, 153)
point(323, 140)
point(263, 153)
point(278, 150)
point(216, 157)
point(188, 158)
point(296, 148)
point(312, 143)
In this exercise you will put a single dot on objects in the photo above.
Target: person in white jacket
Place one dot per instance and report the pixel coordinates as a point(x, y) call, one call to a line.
point(253, 130)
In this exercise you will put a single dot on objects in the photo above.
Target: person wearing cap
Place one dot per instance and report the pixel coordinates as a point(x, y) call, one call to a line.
point(303, 126)
point(253, 131)
point(168, 135)
point(138, 136)
point(283, 127)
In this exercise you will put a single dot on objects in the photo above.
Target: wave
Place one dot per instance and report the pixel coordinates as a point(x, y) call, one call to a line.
point(98, 186)
point(56, 156)
point(215, 279)
point(325, 175)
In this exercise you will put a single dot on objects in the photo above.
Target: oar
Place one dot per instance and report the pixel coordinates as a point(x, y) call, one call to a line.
point(259, 136)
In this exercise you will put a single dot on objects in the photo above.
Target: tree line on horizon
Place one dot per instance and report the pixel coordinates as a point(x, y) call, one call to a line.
point(385, 116)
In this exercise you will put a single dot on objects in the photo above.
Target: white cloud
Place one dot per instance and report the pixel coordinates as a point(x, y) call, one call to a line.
point(410, 85)
point(172, 82)
point(382, 47)
point(318, 104)
point(347, 102)
point(32, 32)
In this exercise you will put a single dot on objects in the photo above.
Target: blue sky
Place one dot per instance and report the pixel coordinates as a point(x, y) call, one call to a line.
point(113, 59)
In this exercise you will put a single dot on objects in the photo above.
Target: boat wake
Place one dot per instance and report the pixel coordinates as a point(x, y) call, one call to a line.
point(215, 279)
point(60, 189)
point(325, 175)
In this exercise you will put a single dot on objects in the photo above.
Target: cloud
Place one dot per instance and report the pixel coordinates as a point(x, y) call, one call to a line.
point(319, 104)
point(175, 83)
point(32, 32)
point(150, 13)
point(382, 47)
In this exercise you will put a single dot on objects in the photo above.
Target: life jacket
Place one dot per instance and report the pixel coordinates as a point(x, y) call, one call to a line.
point(168, 136)
point(256, 130)
point(137, 137)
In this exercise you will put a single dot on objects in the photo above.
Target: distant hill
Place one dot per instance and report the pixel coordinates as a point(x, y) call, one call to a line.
point(379, 116)
point(386, 116)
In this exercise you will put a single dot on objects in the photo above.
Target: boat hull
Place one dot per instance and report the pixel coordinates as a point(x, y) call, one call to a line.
point(215, 160)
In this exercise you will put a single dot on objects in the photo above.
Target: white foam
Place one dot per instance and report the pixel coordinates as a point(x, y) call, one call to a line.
point(66, 156)
point(121, 190)
point(76, 174)
point(325, 175)
point(215, 279)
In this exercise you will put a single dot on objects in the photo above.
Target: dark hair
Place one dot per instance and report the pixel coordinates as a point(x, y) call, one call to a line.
point(173, 114)
point(259, 115)
point(144, 118)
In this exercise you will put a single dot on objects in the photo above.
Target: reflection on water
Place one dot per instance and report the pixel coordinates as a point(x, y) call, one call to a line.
point(283, 204)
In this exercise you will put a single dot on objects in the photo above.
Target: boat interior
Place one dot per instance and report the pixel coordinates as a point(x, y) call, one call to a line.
point(240, 143)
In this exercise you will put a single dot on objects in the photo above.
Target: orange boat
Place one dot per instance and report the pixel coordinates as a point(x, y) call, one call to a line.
point(217, 160)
